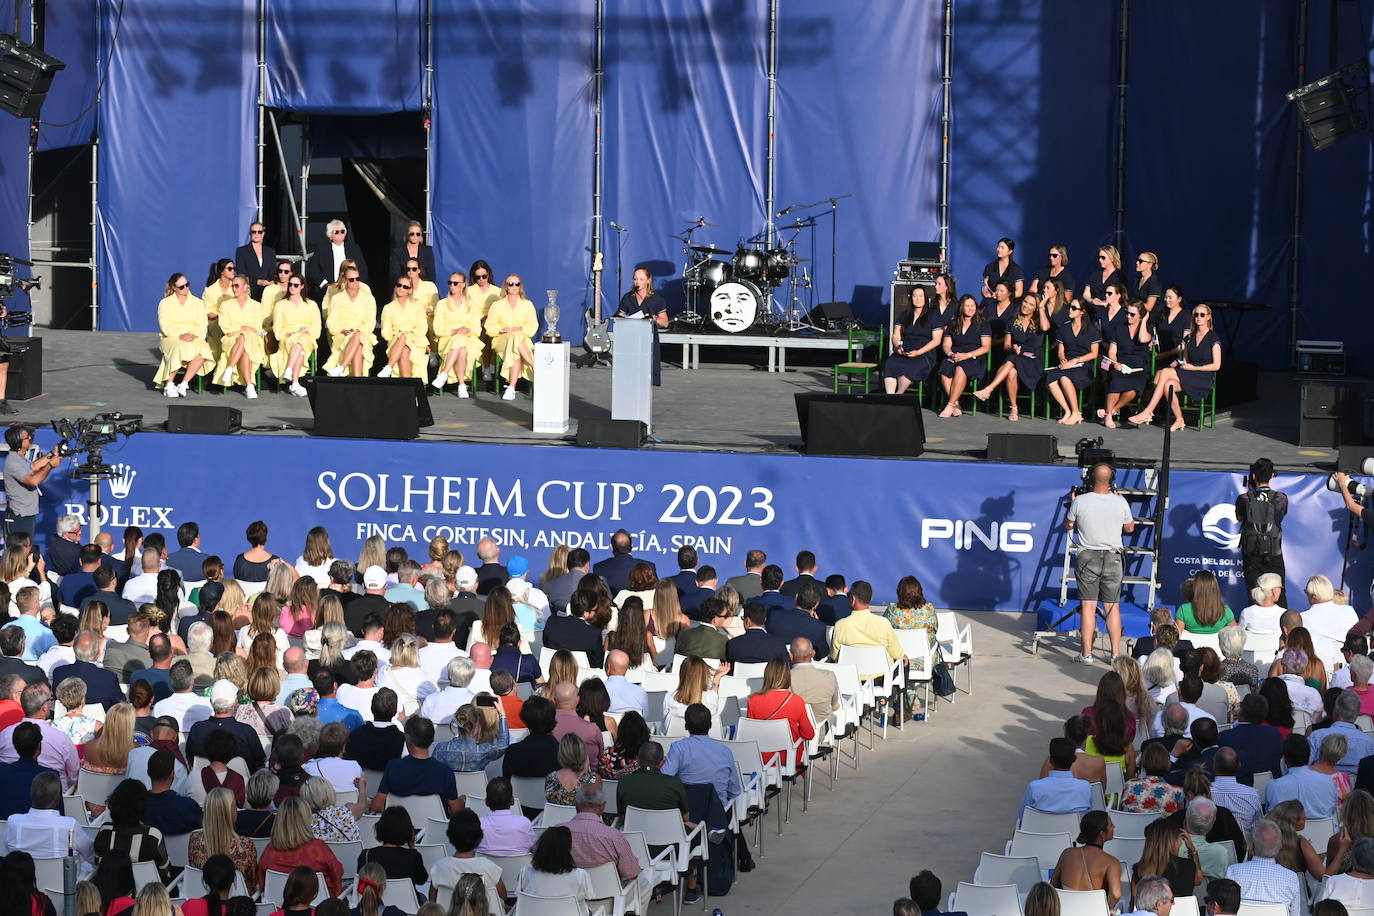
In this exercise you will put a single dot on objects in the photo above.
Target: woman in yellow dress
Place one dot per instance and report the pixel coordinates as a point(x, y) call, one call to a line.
point(340, 287)
point(242, 345)
point(405, 328)
point(458, 327)
point(511, 323)
point(352, 324)
point(296, 325)
point(217, 290)
point(482, 293)
point(271, 294)
point(424, 292)
point(181, 319)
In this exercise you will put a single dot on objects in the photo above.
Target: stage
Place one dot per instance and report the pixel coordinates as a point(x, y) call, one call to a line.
point(730, 403)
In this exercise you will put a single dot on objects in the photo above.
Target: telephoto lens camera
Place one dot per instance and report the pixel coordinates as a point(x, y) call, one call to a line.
point(1358, 490)
point(1090, 454)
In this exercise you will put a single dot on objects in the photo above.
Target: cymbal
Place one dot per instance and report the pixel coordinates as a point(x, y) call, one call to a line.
point(679, 238)
point(710, 249)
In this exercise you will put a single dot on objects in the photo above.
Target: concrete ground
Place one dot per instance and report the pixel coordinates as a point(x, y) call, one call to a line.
point(933, 796)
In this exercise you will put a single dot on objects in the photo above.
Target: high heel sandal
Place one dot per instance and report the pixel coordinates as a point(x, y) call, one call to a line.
point(1142, 418)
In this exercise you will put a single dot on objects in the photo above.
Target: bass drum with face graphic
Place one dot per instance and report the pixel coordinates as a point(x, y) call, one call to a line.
point(736, 306)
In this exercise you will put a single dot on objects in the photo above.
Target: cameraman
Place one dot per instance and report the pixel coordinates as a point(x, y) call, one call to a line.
point(1260, 511)
point(1357, 508)
point(22, 480)
point(1100, 517)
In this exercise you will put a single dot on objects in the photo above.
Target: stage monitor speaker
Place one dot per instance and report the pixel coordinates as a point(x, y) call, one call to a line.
point(25, 76)
point(603, 433)
point(25, 378)
point(1352, 456)
point(210, 421)
point(863, 425)
point(832, 314)
point(369, 408)
point(1329, 414)
point(1023, 448)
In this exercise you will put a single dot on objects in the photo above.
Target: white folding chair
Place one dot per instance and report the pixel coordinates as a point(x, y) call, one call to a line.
point(436, 831)
point(1255, 908)
point(917, 647)
point(956, 647)
point(274, 886)
point(1116, 781)
point(1034, 820)
point(347, 853)
point(1023, 871)
point(530, 791)
point(846, 719)
point(420, 807)
point(178, 849)
point(367, 827)
point(606, 885)
point(511, 867)
point(609, 788)
point(1318, 831)
point(774, 736)
point(986, 900)
point(1046, 847)
point(473, 785)
point(873, 662)
point(746, 670)
point(48, 874)
point(1185, 906)
point(400, 893)
point(546, 655)
point(1126, 848)
point(534, 905)
point(1262, 779)
point(372, 779)
point(145, 873)
point(1365, 723)
point(1099, 797)
point(1302, 721)
point(1082, 903)
point(759, 781)
point(260, 844)
point(96, 787)
point(1132, 823)
point(191, 884)
point(665, 828)
point(553, 815)
point(432, 853)
point(659, 868)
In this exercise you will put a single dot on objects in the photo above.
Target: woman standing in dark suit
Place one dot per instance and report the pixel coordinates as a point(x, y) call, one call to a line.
point(256, 261)
point(1025, 362)
point(643, 302)
point(914, 344)
point(1127, 348)
point(1109, 271)
point(1057, 269)
point(1193, 372)
point(414, 247)
point(967, 342)
point(1077, 348)
point(1002, 269)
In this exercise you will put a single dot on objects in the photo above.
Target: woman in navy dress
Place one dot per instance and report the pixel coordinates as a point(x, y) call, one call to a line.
point(1113, 316)
point(967, 342)
point(1078, 346)
point(946, 299)
point(1148, 286)
point(1109, 271)
point(1168, 325)
point(1057, 270)
point(914, 345)
point(1003, 310)
point(1004, 268)
point(1128, 347)
point(1193, 371)
point(1025, 362)
point(1054, 305)
point(642, 301)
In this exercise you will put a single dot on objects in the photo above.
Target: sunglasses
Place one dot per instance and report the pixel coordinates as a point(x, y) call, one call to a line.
point(1201, 314)
point(1102, 257)
point(414, 235)
point(1054, 254)
point(283, 271)
point(1112, 292)
point(480, 276)
point(1143, 261)
point(455, 283)
point(412, 270)
point(403, 286)
point(513, 283)
point(352, 280)
point(228, 266)
point(182, 286)
point(1075, 308)
point(294, 285)
point(256, 231)
point(338, 231)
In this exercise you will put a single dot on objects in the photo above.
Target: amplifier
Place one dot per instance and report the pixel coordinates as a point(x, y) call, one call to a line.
point(918, 271)
point(1321, 357)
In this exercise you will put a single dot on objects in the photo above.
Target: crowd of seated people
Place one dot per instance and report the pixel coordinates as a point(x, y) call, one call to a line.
point(286, 730)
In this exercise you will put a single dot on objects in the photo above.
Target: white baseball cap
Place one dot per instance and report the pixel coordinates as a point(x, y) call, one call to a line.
point(374, 577)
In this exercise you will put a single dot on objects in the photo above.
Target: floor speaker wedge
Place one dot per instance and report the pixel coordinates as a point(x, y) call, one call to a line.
point(603, 433)
point(202, 420)
point(369, 408)
point(861, 425)
point(1023, 448)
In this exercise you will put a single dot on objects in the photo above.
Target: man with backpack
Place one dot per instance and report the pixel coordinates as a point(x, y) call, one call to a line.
point(1260, 511)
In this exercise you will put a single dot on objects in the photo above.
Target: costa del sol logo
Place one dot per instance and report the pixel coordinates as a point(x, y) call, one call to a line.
point(123, 481)
point(1220, 527)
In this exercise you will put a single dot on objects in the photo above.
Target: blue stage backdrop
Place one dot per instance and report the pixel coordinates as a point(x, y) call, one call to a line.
point(69, 111)
point(178, 119)
point(979, 536)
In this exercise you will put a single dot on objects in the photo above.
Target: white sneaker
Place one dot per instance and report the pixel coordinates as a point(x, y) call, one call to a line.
point(297, 390)
point(510, 393)
point(441, 380)
point(1085, 659)
point(286, 376)
point(336, 372)
point(183, 389)
point(385, 373)
point(227, 376)
point(462, 389)
point(250, 392)
point(171, 390)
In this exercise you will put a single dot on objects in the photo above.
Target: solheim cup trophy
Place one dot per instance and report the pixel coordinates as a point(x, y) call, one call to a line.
point(551, 314)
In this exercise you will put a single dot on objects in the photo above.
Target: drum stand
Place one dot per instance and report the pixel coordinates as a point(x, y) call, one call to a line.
point(691, 314)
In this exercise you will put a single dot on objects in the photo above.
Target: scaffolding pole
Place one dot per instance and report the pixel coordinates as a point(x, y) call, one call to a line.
point(946, 93)
point(598, 62)
point(429, 111)
point(297, 215)
point(1123, 47)
point(1299, 156)
point(262, 103)
point(770, 167)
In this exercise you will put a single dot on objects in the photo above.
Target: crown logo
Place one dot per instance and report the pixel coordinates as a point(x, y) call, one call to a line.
point(123, 481)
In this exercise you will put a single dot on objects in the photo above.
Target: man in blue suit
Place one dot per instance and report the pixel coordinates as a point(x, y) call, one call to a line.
point(836, 606)
point(703, 587)
point(789, 623)
point(771, 597)
point(63, 549)
point(757, 644)
point(806, 573)
point(1260, 746)
point(188, 560)
point(686, 578)
point(102, 686)
point(615, 569)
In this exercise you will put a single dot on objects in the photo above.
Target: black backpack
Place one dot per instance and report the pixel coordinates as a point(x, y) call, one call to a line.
point(1260, 535)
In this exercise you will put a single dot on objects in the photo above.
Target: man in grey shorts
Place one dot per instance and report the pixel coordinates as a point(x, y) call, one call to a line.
point(1099, 517)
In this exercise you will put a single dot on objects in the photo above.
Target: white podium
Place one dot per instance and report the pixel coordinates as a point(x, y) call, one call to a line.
point(632, 371)
point(552, 385)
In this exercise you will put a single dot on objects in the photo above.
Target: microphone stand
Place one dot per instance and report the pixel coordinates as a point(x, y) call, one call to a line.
point(834, 216)
point(619, 257)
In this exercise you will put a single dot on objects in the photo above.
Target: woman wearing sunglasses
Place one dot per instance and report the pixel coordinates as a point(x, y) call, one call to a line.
point(256, 260)
point(242, 346)
point(511, 324)
point(296, 325)
point(278, 288)
point(1194, 371)
point(414, 247)
point(1078, 346)
point(182, 320)
point(1128, 354)
point(422, 290)
point(1108, 272)
point(405, 328)
point(483, 292)
point(1057, 269)
point(352, 321)
point(458, 330)
point(217, 290)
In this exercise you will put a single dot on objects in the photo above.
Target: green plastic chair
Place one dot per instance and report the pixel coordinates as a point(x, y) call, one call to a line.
point(855, 365)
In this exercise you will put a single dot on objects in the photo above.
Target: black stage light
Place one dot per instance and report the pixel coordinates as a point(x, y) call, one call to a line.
point(1327, 107)
point(25, 75)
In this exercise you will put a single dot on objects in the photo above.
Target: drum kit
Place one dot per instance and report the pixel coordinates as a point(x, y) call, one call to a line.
point(740, 290)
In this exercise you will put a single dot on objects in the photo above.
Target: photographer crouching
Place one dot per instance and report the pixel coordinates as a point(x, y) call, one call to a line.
point(1099, 517)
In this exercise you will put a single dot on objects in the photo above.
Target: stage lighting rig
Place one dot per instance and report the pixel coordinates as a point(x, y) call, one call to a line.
point(1327, 106)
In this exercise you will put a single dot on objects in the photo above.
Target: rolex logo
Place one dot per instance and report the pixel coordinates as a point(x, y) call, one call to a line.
point(123, 480)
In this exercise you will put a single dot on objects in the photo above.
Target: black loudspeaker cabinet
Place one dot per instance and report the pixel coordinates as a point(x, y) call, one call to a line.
point(1023, 448)
point(369, 408)
point(1329, 415)
point(25, 378)
point(832, 314)
point(862, 425)
point(212, 421)
point(603, 433)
